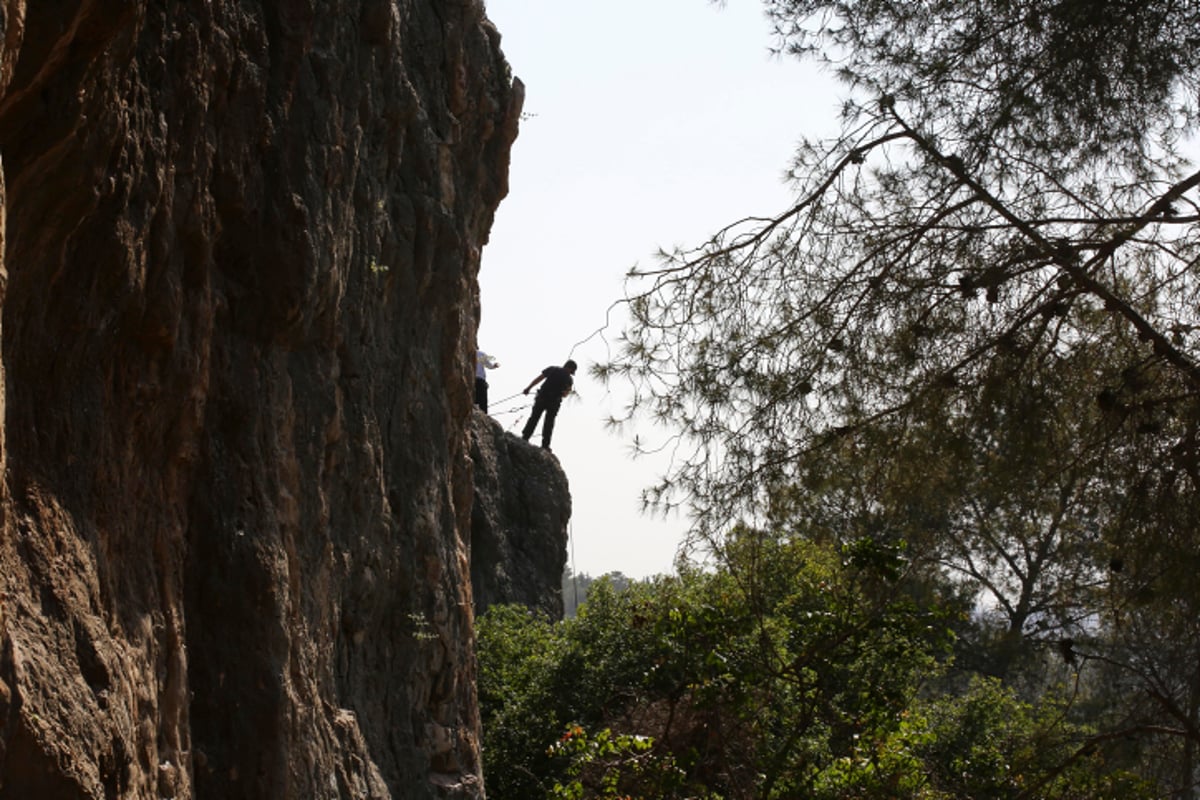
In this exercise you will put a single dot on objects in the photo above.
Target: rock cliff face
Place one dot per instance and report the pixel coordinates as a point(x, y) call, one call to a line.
point(239, 242)
point(518, 521)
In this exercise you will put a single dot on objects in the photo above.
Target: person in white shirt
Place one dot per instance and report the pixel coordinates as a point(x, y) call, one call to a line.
point(483, 362)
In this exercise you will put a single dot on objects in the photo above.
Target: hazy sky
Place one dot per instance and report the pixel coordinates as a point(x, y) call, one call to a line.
point(651, 123)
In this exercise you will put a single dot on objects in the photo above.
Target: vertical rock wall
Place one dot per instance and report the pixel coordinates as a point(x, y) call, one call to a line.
point(518, 521)
point(239, 242)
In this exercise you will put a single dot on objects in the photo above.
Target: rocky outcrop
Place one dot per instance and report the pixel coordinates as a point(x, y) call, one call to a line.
point(518, 521)
point(239, 242)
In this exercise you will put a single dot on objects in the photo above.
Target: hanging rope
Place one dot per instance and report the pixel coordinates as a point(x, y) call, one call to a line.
point(599, 331)
point(574, 574)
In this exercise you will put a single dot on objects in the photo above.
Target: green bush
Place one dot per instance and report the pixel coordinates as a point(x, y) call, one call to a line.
point(796, 671)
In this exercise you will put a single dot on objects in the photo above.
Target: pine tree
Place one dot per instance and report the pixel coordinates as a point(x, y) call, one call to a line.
point(975, 330)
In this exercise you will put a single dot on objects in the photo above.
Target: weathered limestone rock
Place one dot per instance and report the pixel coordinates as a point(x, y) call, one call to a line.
point(518, 522)
point(239, 242)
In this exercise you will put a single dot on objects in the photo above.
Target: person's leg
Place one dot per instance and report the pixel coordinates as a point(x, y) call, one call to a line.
point(548, 426)
point(481, 388)
point(538, 408)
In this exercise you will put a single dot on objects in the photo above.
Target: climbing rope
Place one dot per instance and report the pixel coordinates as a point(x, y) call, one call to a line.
point(599, 331)
point(506, 399)
point(574, 573)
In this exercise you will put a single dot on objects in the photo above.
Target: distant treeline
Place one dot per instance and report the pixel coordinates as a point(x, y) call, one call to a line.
point(575, 587)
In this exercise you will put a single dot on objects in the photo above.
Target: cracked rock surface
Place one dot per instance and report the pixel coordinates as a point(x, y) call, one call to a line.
point(239, 242)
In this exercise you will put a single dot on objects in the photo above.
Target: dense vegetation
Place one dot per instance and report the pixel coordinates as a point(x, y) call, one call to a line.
point(800, 672)
point(941, 415)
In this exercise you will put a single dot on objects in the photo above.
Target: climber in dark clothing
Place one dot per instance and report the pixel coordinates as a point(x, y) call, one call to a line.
point(558, 383)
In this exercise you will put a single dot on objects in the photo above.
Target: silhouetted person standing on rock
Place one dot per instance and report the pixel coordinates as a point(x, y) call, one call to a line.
point(558, 383)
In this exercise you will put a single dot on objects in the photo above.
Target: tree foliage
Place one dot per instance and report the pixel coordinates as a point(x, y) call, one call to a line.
point(807, 671)
point(961, 217)
point(975, 331)
point(1082, 82)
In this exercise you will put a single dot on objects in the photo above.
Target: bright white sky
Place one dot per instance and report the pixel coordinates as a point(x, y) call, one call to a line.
point(651, 123)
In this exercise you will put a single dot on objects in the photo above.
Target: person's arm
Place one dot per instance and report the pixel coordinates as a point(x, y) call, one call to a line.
point(536, 381)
